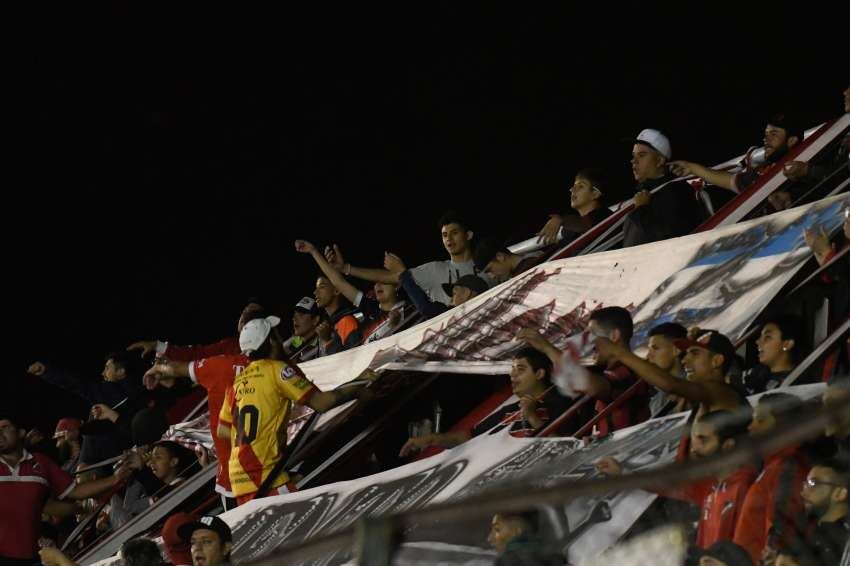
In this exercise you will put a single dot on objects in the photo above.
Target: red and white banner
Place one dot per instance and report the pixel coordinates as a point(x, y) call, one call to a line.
point(719, 279)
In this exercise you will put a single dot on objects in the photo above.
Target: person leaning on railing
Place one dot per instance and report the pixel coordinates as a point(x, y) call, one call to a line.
point(781, 133)
point(587, 198)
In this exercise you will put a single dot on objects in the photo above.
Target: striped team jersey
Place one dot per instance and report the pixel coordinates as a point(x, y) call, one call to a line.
point(257, 409)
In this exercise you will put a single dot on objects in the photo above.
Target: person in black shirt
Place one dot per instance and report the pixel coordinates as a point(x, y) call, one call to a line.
point(673, 210)
point(587, 198)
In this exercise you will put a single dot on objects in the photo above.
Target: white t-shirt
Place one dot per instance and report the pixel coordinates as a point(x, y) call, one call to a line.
point(431, 277)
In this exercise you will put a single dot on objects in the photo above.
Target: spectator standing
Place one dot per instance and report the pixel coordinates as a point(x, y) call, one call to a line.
point(669, 212)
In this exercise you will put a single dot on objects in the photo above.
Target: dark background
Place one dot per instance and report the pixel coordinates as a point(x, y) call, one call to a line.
point(170, 159)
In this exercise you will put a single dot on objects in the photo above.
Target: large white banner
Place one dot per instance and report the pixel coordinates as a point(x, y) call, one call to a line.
point(719, 279)
point(585, 526)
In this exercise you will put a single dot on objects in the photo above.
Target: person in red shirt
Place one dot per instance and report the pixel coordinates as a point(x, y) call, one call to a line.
point(773, 506)
point(214, 374)
point(26, 482)
point(224, 347)
point(720, 498)
point(611, 379)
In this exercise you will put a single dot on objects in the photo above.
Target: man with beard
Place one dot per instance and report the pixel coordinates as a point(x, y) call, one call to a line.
point(825, 496)
point(26, 482)
point(780, 135)
point(68, 443)
point(720, 498)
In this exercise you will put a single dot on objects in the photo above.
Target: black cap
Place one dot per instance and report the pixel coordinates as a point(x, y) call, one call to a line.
point(471, 282)
point(206, 522)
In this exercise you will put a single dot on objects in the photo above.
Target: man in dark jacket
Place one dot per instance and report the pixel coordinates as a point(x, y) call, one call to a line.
point(118, 393)
point(671, 211)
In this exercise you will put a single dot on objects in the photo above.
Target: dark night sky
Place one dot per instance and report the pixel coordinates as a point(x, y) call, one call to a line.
point(170, 164)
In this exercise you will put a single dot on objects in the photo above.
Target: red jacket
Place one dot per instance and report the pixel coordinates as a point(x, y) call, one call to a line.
point(224, 347)
point(773, 504)
point(720, 504)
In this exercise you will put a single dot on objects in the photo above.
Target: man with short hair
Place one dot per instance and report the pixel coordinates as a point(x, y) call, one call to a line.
point(515, 537)
point(539, 404)
point(26, 482)
point(432, 276)
point(608, 379)
point(706, 362)
point(210, 541)
point(720, 498)
point(671, 211)
point(304, 342)
point(661, 351)
point(378, 312)
point(499, 262)
point(826, 500)
point(119, 389)
point(781, 133)
point(341, 331)
point(257, 408)
point(587, 196)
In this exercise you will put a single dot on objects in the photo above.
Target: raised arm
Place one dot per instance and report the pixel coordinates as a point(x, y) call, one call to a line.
point(718, 178)
point(335, 259)
point(654, 375)
point(322, 401)
point(348, 290)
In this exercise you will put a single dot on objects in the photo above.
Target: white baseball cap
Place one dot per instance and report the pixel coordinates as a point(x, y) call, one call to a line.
point(656, 140)
point(255, 332)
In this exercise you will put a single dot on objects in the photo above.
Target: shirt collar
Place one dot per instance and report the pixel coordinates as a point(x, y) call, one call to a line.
point(26, 456)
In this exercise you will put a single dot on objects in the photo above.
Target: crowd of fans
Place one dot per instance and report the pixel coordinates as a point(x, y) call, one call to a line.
point(792, 508)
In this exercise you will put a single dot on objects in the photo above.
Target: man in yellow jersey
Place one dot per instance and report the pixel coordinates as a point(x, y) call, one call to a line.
point(257, 407)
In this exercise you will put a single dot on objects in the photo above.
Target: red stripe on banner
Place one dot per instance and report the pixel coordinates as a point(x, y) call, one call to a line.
point(251, 464)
